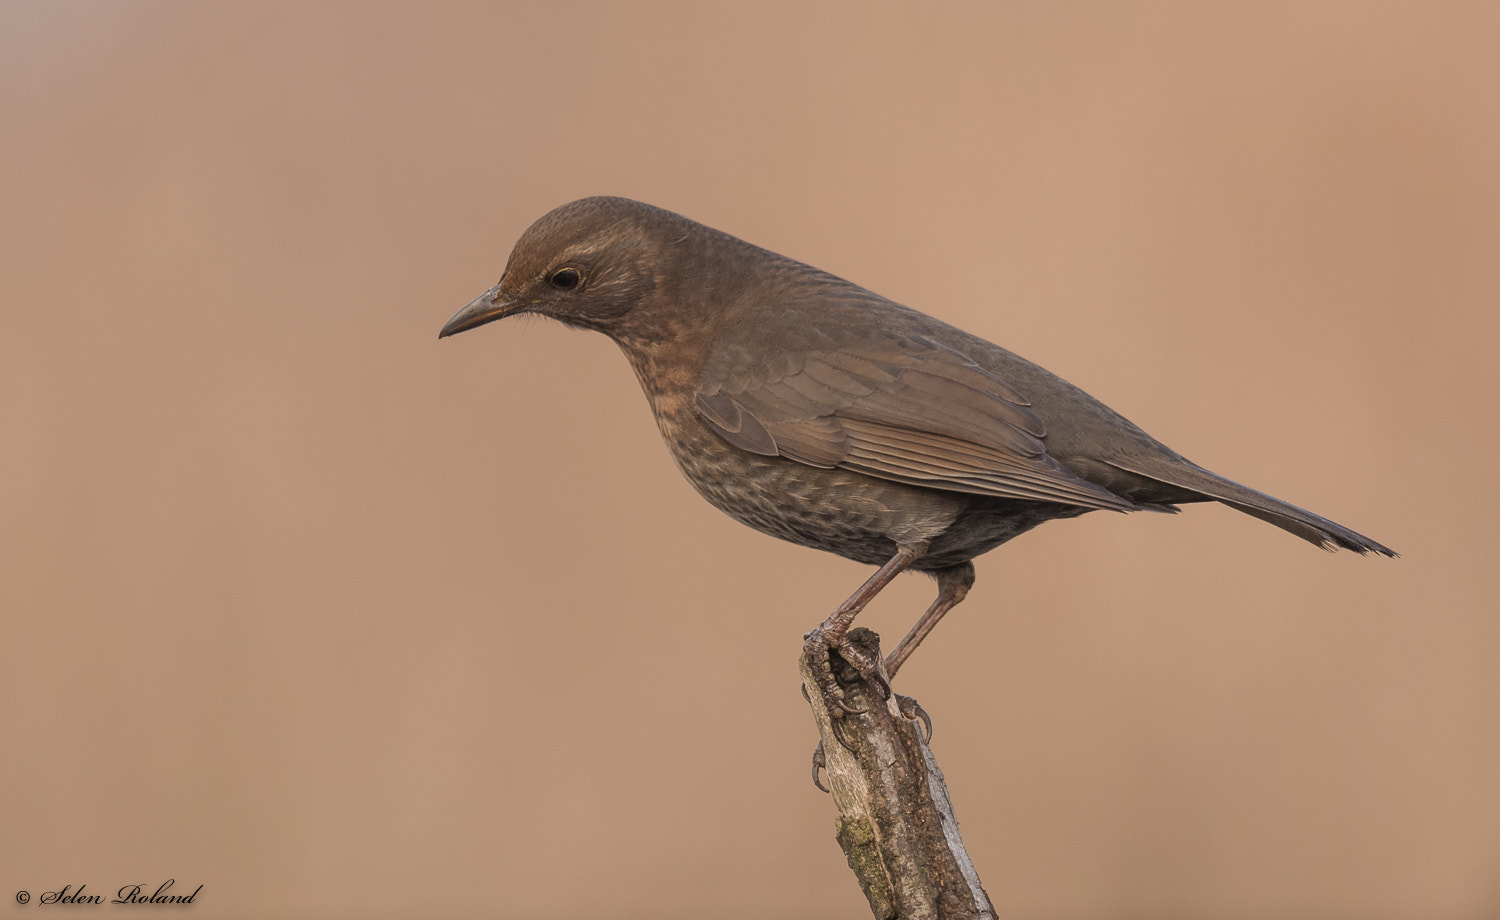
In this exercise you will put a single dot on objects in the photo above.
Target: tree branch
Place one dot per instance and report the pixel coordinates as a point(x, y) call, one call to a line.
point(896, 823)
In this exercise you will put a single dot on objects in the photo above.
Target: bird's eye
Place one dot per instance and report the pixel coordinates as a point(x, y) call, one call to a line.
point(565, 279)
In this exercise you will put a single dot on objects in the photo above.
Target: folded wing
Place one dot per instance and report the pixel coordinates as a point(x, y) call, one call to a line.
point(920, 413)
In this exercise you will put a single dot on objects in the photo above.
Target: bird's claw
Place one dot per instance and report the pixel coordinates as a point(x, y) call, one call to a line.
point(837, 698)
point(839, 735)
point(843, 705)
point(911, 709)
point(819, 764)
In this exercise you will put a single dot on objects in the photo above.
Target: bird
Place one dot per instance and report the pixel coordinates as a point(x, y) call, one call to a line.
point(819, 412)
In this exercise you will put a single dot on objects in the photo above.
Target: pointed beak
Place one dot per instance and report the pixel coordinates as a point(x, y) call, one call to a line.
point(485, 308)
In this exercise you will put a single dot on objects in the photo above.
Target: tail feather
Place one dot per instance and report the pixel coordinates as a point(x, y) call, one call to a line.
point(1313, 528)
point(1327, 534)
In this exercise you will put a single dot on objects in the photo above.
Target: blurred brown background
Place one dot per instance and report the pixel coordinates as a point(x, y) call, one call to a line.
point(336, 620)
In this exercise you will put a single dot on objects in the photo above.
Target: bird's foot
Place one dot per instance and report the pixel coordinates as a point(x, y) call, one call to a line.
point(856, 654)
point(910, 709)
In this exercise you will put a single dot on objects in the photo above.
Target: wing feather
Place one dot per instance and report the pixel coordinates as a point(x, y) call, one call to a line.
point(916, 411)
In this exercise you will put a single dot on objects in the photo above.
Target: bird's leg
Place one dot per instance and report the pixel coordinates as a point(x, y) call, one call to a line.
point(831, 634)
point(953, 586)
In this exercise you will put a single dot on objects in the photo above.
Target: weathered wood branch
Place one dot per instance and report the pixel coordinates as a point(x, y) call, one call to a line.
point(896, 824)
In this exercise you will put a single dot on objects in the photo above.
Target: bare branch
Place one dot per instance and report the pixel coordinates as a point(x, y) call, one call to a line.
point(896, 823)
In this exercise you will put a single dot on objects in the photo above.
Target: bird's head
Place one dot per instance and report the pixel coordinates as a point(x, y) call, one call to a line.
point(587, 264)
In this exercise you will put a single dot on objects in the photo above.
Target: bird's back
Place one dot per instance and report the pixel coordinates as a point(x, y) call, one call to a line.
point(797, 310)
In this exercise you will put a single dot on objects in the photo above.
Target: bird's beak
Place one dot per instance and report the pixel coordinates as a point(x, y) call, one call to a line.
point(485, 308)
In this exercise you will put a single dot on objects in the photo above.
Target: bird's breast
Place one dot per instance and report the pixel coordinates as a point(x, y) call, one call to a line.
point(851, 514)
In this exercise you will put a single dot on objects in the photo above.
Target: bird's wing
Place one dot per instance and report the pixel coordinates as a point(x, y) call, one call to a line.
point(913, 411)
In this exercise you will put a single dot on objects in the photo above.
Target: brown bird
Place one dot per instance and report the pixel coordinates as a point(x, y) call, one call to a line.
point(816, 411)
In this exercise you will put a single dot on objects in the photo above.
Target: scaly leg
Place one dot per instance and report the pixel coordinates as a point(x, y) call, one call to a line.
point(953, 586)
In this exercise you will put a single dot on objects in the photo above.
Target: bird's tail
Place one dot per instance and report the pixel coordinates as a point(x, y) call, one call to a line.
point(1313, 528)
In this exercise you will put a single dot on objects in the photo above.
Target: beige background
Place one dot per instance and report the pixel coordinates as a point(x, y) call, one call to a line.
point(336, 620)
